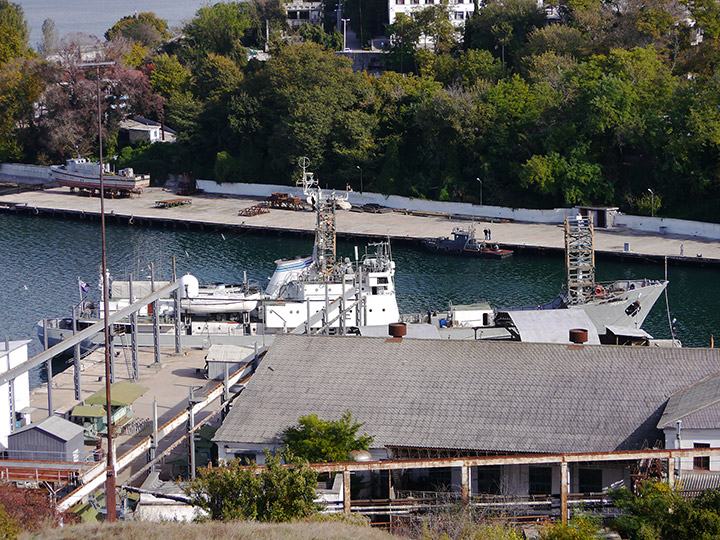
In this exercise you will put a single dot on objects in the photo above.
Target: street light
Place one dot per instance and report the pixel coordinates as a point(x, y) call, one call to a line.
point(345, 21)
point(652, 203)
point(480, 190)
point(361, 182)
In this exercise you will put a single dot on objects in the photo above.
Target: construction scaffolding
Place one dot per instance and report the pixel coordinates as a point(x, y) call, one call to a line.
point(579, 259)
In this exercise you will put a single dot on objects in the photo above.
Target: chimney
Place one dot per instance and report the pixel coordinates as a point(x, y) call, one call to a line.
point(397, 331)
point(578, 337)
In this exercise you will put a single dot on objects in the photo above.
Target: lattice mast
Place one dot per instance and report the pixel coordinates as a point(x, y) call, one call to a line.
point(325, 205)
point(579, 259)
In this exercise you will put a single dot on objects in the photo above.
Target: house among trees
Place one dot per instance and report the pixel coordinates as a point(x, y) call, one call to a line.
point(139, 129)
point(435, 399)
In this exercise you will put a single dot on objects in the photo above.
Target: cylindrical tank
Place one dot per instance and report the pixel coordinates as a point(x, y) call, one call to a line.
point(189, 286)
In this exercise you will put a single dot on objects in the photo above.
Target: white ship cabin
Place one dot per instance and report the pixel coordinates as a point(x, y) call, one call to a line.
point(85, 166)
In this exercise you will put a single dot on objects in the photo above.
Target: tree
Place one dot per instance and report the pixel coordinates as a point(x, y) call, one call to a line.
point(145, 28)
point(50, 38)
point(13, 31)
point(218, 29)
point(325, 441)
point(28, 509)
point(503, 27)
point(274, 493)
point(21, 85)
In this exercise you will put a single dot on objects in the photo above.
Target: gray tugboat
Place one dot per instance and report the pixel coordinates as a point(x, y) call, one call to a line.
point(464, 242)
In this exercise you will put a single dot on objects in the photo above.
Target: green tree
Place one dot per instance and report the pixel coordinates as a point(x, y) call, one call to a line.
point(323, 441)
point(168, 76)
point(275, 493)
point(216, 75)
point(13, 31)
point(503, 27)
point(218, 29)
point(646, 512)
point(332, 41)
point(145, 28)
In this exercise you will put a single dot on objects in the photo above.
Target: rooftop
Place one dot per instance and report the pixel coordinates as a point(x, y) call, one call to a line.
point(482, 395)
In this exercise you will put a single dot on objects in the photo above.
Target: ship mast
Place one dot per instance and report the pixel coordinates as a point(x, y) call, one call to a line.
point(579, 259)
point(325, 205)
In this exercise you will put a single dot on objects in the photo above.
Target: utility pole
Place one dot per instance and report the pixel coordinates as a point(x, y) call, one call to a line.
point(110, 500)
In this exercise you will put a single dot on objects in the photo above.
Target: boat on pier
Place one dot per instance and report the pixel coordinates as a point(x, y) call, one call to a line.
point(84, 175)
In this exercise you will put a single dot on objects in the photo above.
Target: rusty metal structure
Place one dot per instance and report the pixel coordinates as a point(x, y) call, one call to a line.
point(285, 201)
point(254, 210)
point(579, 259)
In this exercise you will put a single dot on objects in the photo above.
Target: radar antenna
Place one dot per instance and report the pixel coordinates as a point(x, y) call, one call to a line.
point(325, 205)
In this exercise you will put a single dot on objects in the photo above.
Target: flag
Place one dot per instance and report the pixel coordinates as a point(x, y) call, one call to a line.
point(83, 286)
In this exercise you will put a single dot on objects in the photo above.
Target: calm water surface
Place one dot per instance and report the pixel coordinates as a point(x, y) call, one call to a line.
point(41, 259)
point(95, 17)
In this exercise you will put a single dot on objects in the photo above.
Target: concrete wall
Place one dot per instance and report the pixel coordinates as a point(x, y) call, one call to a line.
point(555, 215)
point(669, 226)
point(19, 173)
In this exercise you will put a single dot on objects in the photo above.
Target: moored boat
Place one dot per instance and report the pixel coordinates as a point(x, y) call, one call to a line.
point(464, 242)
point(83, 174)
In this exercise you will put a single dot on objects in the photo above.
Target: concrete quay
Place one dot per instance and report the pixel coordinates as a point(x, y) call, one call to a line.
point(217, 212)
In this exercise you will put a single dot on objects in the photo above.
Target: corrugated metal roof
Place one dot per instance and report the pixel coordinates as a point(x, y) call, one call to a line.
point(694, 398)
point(414, 331)
point(88, 411)
point(552, 325)
point(55, 426)
point(493, 396)
point(227, 353)
point(121, 394)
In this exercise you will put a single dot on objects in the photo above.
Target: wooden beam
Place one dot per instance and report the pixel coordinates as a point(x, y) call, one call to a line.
point(564, 491)
point(346, 491)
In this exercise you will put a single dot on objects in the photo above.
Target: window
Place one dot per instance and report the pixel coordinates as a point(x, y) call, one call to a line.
point(459, 15)
point(701, 463)
point(540, 481)
point(400, 2)
point(590, 480)
point(489, 479)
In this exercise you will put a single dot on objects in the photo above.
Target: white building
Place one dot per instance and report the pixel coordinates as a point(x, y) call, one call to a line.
point(460, 10)
point(14, 395)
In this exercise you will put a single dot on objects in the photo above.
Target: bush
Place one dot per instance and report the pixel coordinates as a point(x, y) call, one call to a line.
point(275, 493)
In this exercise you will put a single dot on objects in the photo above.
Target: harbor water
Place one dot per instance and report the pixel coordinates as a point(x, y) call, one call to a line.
point(42, 258)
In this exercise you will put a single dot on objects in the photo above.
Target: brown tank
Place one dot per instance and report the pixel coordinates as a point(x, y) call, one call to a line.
point(397, 329)
point(578, 335)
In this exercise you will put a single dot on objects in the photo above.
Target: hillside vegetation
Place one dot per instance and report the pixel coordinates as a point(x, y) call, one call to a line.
point(213, 530)
point(613, 103)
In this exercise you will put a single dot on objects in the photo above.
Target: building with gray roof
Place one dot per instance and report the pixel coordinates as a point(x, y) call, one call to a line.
point(465, 397)
point(51, 439)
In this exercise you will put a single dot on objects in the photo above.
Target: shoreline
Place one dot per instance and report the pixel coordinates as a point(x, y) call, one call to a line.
point(220, 213)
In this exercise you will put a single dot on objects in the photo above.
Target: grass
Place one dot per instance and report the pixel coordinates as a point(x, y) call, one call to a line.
point(211, 530)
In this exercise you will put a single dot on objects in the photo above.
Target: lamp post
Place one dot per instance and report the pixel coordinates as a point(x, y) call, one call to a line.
point(110, 500)
point(480, 190)
point(652, 203)
point(361, 178)
point(345, 21)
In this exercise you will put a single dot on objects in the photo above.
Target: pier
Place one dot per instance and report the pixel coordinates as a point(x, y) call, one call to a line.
point(221, 213)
